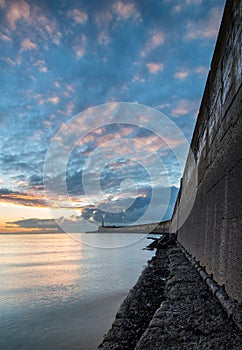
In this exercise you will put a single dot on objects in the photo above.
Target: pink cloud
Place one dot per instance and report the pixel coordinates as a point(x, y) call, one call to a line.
point(181, 74)
point(41, 100)
point(41, 64)
point(125, 10)
point(43, 69)
point(154, 68)
point(18, 10)
point(156, 39)
point(185, 107)
point(205, 28)
point(54, 100)
point(27, 45)
point(80, 17)
point(54, 34)
point(70, 88)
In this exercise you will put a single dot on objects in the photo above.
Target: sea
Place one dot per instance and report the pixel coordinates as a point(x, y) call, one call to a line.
point(60, 291)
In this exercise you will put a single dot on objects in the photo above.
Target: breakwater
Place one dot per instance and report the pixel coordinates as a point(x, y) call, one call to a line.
point(158, 227)
point(212, 232)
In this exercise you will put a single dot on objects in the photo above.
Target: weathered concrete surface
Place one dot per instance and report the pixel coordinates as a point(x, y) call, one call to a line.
point(190, 318)
point(171, 308)
point(213, 231)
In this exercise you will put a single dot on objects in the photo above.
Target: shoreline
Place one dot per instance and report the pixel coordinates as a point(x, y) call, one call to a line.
point(170, 306)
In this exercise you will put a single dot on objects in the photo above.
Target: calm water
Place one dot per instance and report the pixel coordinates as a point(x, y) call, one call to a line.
point(57, 293)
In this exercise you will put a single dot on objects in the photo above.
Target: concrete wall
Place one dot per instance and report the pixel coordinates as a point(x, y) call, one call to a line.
point(213, 230)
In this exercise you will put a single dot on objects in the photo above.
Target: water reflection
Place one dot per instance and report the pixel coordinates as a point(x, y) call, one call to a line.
point(57, 293)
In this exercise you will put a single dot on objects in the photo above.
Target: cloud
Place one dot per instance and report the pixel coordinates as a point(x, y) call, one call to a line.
point(9, 61)
point(181, 74)
point(4, 37)
point(138, 78)
point(42, 67)
point(201, 70)
point(25, 199)
point(54, 99)
point(18, 10)
point(79, 46)
point(184, 107)
point(154, 68)
point(156, 38)
point(205, 28)
point(177, 8)
point(41, 100)
point(69, 108)
point(27, 45)
point(103, 39)
point(136, 210)
point(33, 223)
point(125, 10)
point(103, 18)
point(193, 2)
point(79, 17)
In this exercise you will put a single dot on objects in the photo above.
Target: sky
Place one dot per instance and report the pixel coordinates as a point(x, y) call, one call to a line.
point(98, 103)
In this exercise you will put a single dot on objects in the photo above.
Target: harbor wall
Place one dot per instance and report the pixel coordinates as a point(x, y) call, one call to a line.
point(211, 187)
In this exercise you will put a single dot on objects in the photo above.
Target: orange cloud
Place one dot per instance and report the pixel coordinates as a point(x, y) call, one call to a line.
point(25, 199)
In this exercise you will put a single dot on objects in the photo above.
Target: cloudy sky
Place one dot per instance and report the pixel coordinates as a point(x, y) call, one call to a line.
point(60, 62)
